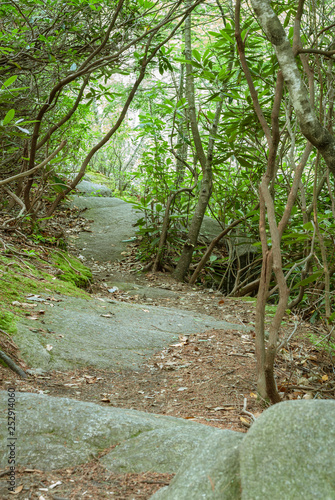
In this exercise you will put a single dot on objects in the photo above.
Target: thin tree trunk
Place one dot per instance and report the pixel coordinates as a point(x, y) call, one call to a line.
point(205, 162)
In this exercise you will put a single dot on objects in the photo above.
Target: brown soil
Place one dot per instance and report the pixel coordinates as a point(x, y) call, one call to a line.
point(208, 378)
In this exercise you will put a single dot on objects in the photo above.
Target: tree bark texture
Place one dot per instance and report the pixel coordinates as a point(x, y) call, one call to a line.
point(310, 126)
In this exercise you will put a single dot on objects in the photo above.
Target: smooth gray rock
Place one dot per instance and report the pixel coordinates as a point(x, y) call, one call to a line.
point(96, 202)
point(164, 449)
point(92, 189)
point(112, 226)
point(211, 473)
point(81, 336)
point(210, 228)
point(241, 244)
point(289, 453)
point(54, 433)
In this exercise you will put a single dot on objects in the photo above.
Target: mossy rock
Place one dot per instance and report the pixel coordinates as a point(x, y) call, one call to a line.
point(73, 269)
point(100, 179)
point(21, 278)
point(7, 322)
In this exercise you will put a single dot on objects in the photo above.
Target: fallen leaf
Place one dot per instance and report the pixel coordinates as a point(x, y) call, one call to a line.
point(324, 378)
point(221, 302)
point(220, 408)
point(36, 298)
point(253, 395)
point(17, 490)
point(91, 381)
point(245, 421)
point(105, 400)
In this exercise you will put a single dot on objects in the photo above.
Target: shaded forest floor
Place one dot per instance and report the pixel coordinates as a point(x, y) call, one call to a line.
point(208, 377)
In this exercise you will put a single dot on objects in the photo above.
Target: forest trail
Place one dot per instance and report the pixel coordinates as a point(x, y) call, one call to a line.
point(141, 342)
point(103, 332)
point(129, 316)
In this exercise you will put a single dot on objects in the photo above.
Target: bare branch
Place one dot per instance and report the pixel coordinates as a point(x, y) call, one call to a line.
point(32, 170)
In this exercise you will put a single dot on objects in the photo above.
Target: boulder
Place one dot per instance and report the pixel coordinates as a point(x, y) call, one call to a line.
point(289, 453)
point(212, 472)
point(104, 333)
point(89, 188)
point(164, 449)
point(240, 243)
point(53, 433)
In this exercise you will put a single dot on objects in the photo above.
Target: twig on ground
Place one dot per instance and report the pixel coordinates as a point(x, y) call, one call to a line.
point(5, 333)
point(75, 270)
point(13, 366)
point(244, 410)
point(286, 341)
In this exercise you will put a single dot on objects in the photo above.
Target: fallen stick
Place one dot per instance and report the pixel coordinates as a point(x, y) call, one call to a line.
point(10, 363)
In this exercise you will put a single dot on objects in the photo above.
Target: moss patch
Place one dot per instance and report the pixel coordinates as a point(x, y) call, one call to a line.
point(73, 269)
point(7, 322)
point(99, 178)
point(19, 278)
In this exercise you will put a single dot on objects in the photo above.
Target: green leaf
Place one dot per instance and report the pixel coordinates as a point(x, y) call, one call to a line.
point(9, 116)
point(243, 162)
point(287, 19)
point(308, 226)
point(196, 54)
point(181, 102)
point(208, 75)
point(227, 37)
point(10, 81)
point(310, 279)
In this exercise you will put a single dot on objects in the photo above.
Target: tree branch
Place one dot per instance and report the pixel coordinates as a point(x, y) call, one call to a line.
point(32, 170)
